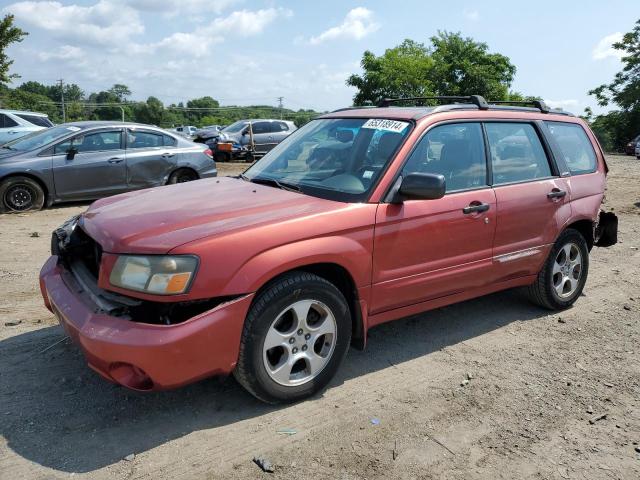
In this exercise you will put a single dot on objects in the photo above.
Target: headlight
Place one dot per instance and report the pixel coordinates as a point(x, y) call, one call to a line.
point(157, 274)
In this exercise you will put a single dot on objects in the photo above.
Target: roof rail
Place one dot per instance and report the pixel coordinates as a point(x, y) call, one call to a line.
point(477, 100)
point(539, 104)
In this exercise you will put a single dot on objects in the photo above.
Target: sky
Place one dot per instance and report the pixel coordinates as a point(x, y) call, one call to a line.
point(245, 52)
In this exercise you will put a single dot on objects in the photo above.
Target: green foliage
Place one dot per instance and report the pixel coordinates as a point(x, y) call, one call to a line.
point(616, 128)
point(9, 34)
point(452, 65)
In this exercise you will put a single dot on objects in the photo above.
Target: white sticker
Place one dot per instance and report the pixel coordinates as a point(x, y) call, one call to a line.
point(367, 174)
point(73, 129)
point(383, 124)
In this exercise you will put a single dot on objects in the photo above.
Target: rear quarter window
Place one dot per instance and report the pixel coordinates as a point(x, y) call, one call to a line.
point(575, 146)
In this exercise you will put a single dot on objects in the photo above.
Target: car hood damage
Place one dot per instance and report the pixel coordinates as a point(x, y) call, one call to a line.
point(159, 219)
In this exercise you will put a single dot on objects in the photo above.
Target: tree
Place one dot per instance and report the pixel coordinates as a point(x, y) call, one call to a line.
point(451, 65)
point(8, 34)
point(616, 128)
point(120, 92)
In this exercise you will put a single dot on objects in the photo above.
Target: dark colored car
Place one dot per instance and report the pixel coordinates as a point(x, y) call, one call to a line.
point(630, 148)
point(273, 274)
point(89, 160)
point(248, 139)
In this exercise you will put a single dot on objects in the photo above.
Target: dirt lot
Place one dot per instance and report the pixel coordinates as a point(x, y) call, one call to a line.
point(397, 410)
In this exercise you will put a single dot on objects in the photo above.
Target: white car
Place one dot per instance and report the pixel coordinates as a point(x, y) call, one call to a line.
point(187, 131)
point(16, 123)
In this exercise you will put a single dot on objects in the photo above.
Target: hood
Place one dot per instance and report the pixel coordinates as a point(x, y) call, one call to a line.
point(159, 219)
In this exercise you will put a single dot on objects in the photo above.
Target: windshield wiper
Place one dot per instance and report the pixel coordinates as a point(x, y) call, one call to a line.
point(274, 182)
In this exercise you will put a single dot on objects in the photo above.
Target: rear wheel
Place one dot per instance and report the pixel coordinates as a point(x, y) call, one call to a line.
point(19, 194)
point(295, 337)
point(182, 175)
point(561, 280)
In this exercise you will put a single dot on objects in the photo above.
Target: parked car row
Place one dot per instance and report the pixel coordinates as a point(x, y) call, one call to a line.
point(89, 160)
point(246, 140)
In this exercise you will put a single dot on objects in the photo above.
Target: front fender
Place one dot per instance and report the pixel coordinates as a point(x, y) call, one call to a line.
point(351, 254)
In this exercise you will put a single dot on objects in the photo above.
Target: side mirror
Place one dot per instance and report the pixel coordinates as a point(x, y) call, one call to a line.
point(71, 153)
point(421, 186)
point(245, 132)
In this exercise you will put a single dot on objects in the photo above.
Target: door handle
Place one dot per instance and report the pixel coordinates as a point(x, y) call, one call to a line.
point(476, 207)
point(115, 160)
point(556, 193)
point(167, 155)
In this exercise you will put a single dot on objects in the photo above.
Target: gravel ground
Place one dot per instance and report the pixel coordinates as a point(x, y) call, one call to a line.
point(544, 395)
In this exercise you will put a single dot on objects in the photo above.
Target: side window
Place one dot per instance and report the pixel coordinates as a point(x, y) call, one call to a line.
point(261, 127)
point(7, 122)
point(169, 141)
point(280, 127)
point(141, 139)
point(454, 150)
point(92, 142)
point(575, 146)
point(516, 153)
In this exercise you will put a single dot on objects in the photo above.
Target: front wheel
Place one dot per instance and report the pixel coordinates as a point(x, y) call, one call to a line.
point(19, 194)
point(564, 274)
point(295, 337)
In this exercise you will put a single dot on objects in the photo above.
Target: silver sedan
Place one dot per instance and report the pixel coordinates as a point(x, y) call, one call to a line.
point(89, 160)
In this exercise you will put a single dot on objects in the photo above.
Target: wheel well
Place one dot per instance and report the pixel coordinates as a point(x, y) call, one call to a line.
point(585, 227)
point(342, 280)
point(32, 177)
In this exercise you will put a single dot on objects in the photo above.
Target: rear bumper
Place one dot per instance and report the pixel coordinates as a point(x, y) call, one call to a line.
point(211, 172)
point(146, 356)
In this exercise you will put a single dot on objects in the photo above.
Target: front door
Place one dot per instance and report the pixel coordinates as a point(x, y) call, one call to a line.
point(425, 249)
point(96, 169)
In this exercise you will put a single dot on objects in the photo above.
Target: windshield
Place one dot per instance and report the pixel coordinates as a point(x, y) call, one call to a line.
point(40, 138)
point(339, 159)
point(235, 127)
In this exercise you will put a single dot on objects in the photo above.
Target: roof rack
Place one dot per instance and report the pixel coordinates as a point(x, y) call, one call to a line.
point(539, 104)
point(477, 100)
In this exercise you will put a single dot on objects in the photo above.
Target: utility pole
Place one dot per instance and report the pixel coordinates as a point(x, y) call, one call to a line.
point(280, 106)
point(64, 115)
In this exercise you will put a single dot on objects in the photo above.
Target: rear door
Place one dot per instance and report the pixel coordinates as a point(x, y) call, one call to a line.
point(263, 136)
point(425, 249)
point(533, 200)
point(151, 157)
point(97, 169)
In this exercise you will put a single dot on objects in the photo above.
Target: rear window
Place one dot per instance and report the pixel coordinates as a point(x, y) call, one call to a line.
point(36, 120)
point(6, 122)
point(575, 146)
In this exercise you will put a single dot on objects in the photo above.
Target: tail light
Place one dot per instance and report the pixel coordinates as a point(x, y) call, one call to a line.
point(209, 153)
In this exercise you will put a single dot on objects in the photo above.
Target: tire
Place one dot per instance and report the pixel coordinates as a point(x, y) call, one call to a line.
point(249, 158)
point(560, 283)
point(223, 157)
point(306, 353)
point(20, 194)
point(182, 175)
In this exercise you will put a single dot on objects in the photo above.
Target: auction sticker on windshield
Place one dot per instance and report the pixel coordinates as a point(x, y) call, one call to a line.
point(389, 125)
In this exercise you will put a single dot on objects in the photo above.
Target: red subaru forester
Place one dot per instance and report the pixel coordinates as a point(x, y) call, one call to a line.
point(361, 217)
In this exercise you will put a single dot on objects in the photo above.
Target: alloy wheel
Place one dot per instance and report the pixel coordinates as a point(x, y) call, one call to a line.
point(300, 342)
point(567, 270)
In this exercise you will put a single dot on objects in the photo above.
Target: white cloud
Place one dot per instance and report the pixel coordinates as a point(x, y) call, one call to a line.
point(175, 7)
point(100, 23)
point(569, 103)
point(470, 14)
point(65, 52)
point(604, 48)
point(198, 42)
point(357, 24)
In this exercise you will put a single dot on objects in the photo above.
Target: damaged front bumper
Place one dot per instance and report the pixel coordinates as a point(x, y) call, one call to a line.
point(144, 356)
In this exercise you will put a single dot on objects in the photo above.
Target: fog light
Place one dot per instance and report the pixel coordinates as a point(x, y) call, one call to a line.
point(130, 376)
